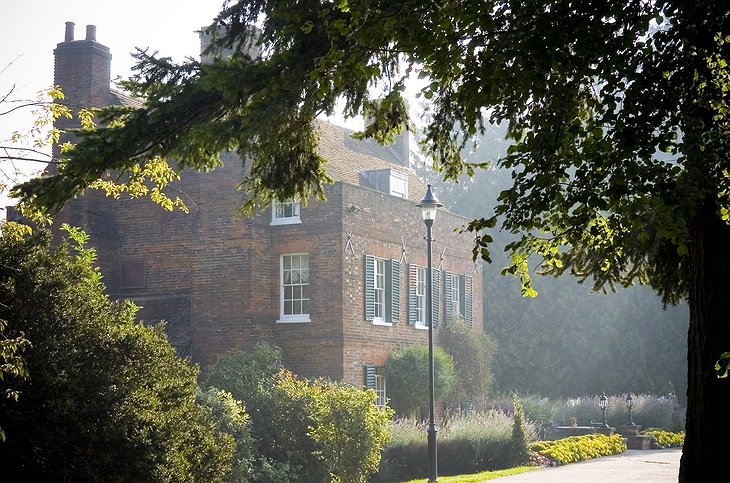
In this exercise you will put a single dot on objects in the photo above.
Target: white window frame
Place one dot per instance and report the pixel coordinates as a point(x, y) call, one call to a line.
point(381, 399)
point(379, 288)
point(421, 297)
point(399, 179)
point(285, 212)
point(302, 277)
point(456, 295)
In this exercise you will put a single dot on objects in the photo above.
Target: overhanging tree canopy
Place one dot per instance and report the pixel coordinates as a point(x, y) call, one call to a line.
point(593, 92)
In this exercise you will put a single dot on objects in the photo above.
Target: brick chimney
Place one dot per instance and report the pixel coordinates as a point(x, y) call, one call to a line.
point(83, 69)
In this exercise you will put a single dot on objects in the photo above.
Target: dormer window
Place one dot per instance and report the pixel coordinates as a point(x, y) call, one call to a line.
point(285, 212)
point(398, 184)
point(387, 180)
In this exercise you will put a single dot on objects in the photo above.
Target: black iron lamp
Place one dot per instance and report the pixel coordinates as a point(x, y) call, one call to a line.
point(429, 206)
point(603, 404)
point(630, 406)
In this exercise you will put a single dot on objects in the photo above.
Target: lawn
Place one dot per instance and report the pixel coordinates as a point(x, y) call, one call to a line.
point(478, 477)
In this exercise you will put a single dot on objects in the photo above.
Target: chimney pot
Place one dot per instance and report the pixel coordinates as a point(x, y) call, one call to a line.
point(91, 32)
point(69, 32)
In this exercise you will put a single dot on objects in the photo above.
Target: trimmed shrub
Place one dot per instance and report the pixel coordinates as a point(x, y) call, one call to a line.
point(518, 448)
point(580, 448)
point(665, 439)
point(349, 429)
point(407, 375)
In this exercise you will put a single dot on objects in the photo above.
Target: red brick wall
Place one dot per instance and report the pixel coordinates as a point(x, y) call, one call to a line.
point(215, 278)
point(380, 227)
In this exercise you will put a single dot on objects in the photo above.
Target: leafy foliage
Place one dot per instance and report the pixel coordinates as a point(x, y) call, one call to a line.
point(303, 431)
point(722, 366)
point(106, 399)
point(628, 340)
point(348, 429)
point(230, 417)
point(473, 353)
point(407, 375)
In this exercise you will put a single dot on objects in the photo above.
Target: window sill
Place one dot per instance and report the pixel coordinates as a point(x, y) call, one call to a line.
point(382, 323)
point(294, 319)
point(420, 327)
point(286, 221)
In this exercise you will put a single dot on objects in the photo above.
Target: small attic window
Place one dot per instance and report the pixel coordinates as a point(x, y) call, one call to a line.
point(398, 184)
point(388, 180)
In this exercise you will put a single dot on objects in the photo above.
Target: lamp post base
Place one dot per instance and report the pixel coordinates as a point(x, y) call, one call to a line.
point(432, 454)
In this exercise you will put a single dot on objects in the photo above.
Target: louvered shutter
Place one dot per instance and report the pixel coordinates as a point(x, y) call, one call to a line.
point(436, 296)
point(369, 287)
point(449, 295)
point(369, 376)
point(393, 292)
point(467, 296)
point(412, 302)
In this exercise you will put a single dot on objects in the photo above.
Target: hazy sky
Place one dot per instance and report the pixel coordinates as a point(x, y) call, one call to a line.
point(31, 29)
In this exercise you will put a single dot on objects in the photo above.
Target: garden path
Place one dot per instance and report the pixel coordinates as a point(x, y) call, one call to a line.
point(634, 466)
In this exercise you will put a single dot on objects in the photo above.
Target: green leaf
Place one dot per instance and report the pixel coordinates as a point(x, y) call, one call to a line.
point(722, 366)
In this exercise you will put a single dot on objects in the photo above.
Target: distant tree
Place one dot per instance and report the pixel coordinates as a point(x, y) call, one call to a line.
point(626, 342)
point(473, 355)
point(407, 375)
point(106, 399)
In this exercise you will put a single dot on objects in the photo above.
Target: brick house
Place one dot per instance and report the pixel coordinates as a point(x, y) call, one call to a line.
point(337, 285)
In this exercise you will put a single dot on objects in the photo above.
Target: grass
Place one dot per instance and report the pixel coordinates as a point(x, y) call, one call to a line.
point(478, 477)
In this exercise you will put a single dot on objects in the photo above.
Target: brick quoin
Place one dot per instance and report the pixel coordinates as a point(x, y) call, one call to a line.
point(215, 278)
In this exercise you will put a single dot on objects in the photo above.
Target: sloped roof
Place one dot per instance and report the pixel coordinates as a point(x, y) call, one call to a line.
point(120, 98)
point(348, 157)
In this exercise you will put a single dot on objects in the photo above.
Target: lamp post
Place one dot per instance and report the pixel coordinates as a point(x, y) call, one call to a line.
point(629, 406)
point(429, 205)
point(603, 404)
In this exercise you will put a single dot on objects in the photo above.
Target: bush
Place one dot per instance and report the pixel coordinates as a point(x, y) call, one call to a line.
point(230, 417)
point(303, 431)
point(472, 352)
point(580, 448)
point(466, 444)
point(518, 447)
point(329, 431)
point(246, 374)
point(349, 429)
point(407, 376)
point(107, 398)
point(665, 439)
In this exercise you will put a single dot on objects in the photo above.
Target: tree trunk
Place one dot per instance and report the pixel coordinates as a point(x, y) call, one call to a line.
point(704, 457)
